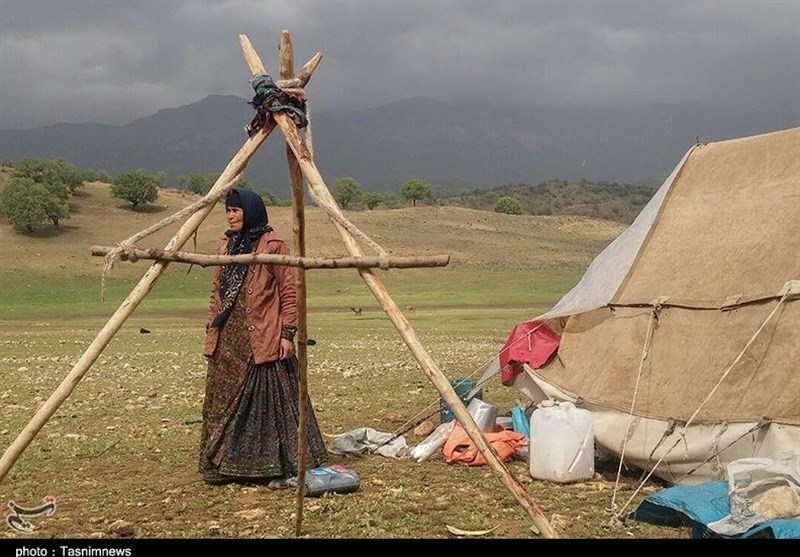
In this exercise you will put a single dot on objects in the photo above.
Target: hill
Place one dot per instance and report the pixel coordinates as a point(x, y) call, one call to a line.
point(617, 202)
point(472, 237)
point(506, 258)
point(461, 145)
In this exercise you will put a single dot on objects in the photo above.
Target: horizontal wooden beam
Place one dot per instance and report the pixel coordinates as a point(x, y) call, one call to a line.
point(204, 260)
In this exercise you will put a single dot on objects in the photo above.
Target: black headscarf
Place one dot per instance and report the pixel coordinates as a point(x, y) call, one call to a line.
point(254, 225)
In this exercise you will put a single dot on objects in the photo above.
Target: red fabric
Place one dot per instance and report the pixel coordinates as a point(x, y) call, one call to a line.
point(459, 447)
point(532, 343)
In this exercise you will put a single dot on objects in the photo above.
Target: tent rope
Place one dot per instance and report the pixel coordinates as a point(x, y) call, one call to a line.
point(764, 422)
point(332, 212)
point(652, 323)
point(669, 430)
point(126, 246)
point(383, 257)
point(421, 415)
point(682, 435)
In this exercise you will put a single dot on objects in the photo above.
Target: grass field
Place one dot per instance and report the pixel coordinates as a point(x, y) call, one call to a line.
point(120, 454)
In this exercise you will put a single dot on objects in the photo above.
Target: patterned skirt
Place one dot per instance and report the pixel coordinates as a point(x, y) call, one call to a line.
point(251, 412)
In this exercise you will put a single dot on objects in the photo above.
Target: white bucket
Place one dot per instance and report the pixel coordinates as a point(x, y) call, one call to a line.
point(561, 443)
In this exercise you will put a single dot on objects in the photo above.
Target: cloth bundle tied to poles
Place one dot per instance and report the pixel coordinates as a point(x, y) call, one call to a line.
point(429, 367)
point(225, 181)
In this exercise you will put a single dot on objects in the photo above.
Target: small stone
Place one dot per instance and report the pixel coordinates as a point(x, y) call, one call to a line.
point(213, 528)
point(424, 429)
point(251, 514)
point(121, 528)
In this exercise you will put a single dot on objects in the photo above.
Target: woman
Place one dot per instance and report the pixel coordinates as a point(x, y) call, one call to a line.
point(251, 407)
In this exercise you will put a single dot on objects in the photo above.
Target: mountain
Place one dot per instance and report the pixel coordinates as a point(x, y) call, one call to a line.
point(457, 144)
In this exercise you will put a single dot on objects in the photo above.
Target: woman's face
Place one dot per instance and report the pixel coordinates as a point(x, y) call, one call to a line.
point(235, 216)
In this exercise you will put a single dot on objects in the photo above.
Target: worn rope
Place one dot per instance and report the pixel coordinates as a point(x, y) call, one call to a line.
point(762, 423)
point(668, 431)
point(294, 87)
point(421, 415)
point(333, 213)
point(383, 257)
point(126, 246)
point(708, 397)
point(645, 352)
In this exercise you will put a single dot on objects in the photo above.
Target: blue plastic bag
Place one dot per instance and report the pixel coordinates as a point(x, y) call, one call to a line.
point(519, 421)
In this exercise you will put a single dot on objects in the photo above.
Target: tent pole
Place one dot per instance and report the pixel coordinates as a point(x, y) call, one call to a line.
point(286, 65)
point(429, 367)
point(145, 284)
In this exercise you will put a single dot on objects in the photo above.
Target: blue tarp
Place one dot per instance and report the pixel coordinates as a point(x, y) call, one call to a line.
point(701, 505)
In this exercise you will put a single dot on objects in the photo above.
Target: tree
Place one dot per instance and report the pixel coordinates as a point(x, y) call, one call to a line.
point(346, 190)
point(56, 206)
point(508, 205)
point(242, 184)
point(415, 190)
point(198, 183)
point(59, 178)
point(272, 200)
point(23, 201)
point(371, 199)
point(69, 175)
point(56, 173)
point(137, 187)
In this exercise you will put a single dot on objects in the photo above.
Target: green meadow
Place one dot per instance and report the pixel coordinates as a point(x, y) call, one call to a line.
point(120, 453)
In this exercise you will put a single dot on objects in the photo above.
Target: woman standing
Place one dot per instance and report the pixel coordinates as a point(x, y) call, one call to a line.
point(251, 407)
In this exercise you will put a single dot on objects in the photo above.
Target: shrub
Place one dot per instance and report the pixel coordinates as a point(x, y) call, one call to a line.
point(136, 187)
point(371, 199)
point(416, 190)
point(24, 203)
point(508, 205)
point(346, 191)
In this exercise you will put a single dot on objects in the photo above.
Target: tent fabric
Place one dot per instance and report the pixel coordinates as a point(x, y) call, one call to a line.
point(703, 268)
point(530, 343)
point(607, 271)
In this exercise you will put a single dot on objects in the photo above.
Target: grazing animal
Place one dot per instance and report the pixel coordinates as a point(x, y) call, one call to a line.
point(357, 311)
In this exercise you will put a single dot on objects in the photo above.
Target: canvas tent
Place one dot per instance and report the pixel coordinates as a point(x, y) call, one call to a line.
point(683, 336)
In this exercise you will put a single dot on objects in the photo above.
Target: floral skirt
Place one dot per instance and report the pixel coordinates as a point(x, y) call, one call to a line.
point(251, 412)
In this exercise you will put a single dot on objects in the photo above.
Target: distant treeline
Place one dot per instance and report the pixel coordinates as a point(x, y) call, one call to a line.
point(603, 200)
point(51, 183)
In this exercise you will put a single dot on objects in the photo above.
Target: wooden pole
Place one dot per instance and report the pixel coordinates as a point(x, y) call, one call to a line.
point(126, 308)
point(203, 260)
point(286, 68)
point(429, 367)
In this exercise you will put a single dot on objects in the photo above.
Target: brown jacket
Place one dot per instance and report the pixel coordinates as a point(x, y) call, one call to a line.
point(270, 302)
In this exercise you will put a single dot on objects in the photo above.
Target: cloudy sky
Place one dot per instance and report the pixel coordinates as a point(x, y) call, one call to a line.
point(112, 61)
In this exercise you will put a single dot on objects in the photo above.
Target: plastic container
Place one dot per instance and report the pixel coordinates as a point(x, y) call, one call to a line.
point(484, 414)
point(329, 479)
point(432, 442)
point(462, 387)
point(561, 443)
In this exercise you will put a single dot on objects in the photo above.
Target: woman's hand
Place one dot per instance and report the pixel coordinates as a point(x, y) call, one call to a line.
point(287, 349)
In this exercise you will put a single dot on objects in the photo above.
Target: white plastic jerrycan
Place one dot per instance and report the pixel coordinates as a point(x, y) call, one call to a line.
point(561, 443)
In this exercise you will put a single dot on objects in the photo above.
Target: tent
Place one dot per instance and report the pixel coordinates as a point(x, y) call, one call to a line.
point(683, 336)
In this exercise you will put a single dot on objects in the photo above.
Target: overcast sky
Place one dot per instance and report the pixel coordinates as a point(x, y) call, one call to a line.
point(112, 61)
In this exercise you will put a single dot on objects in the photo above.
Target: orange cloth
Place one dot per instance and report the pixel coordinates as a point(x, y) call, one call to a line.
point(460, 448)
